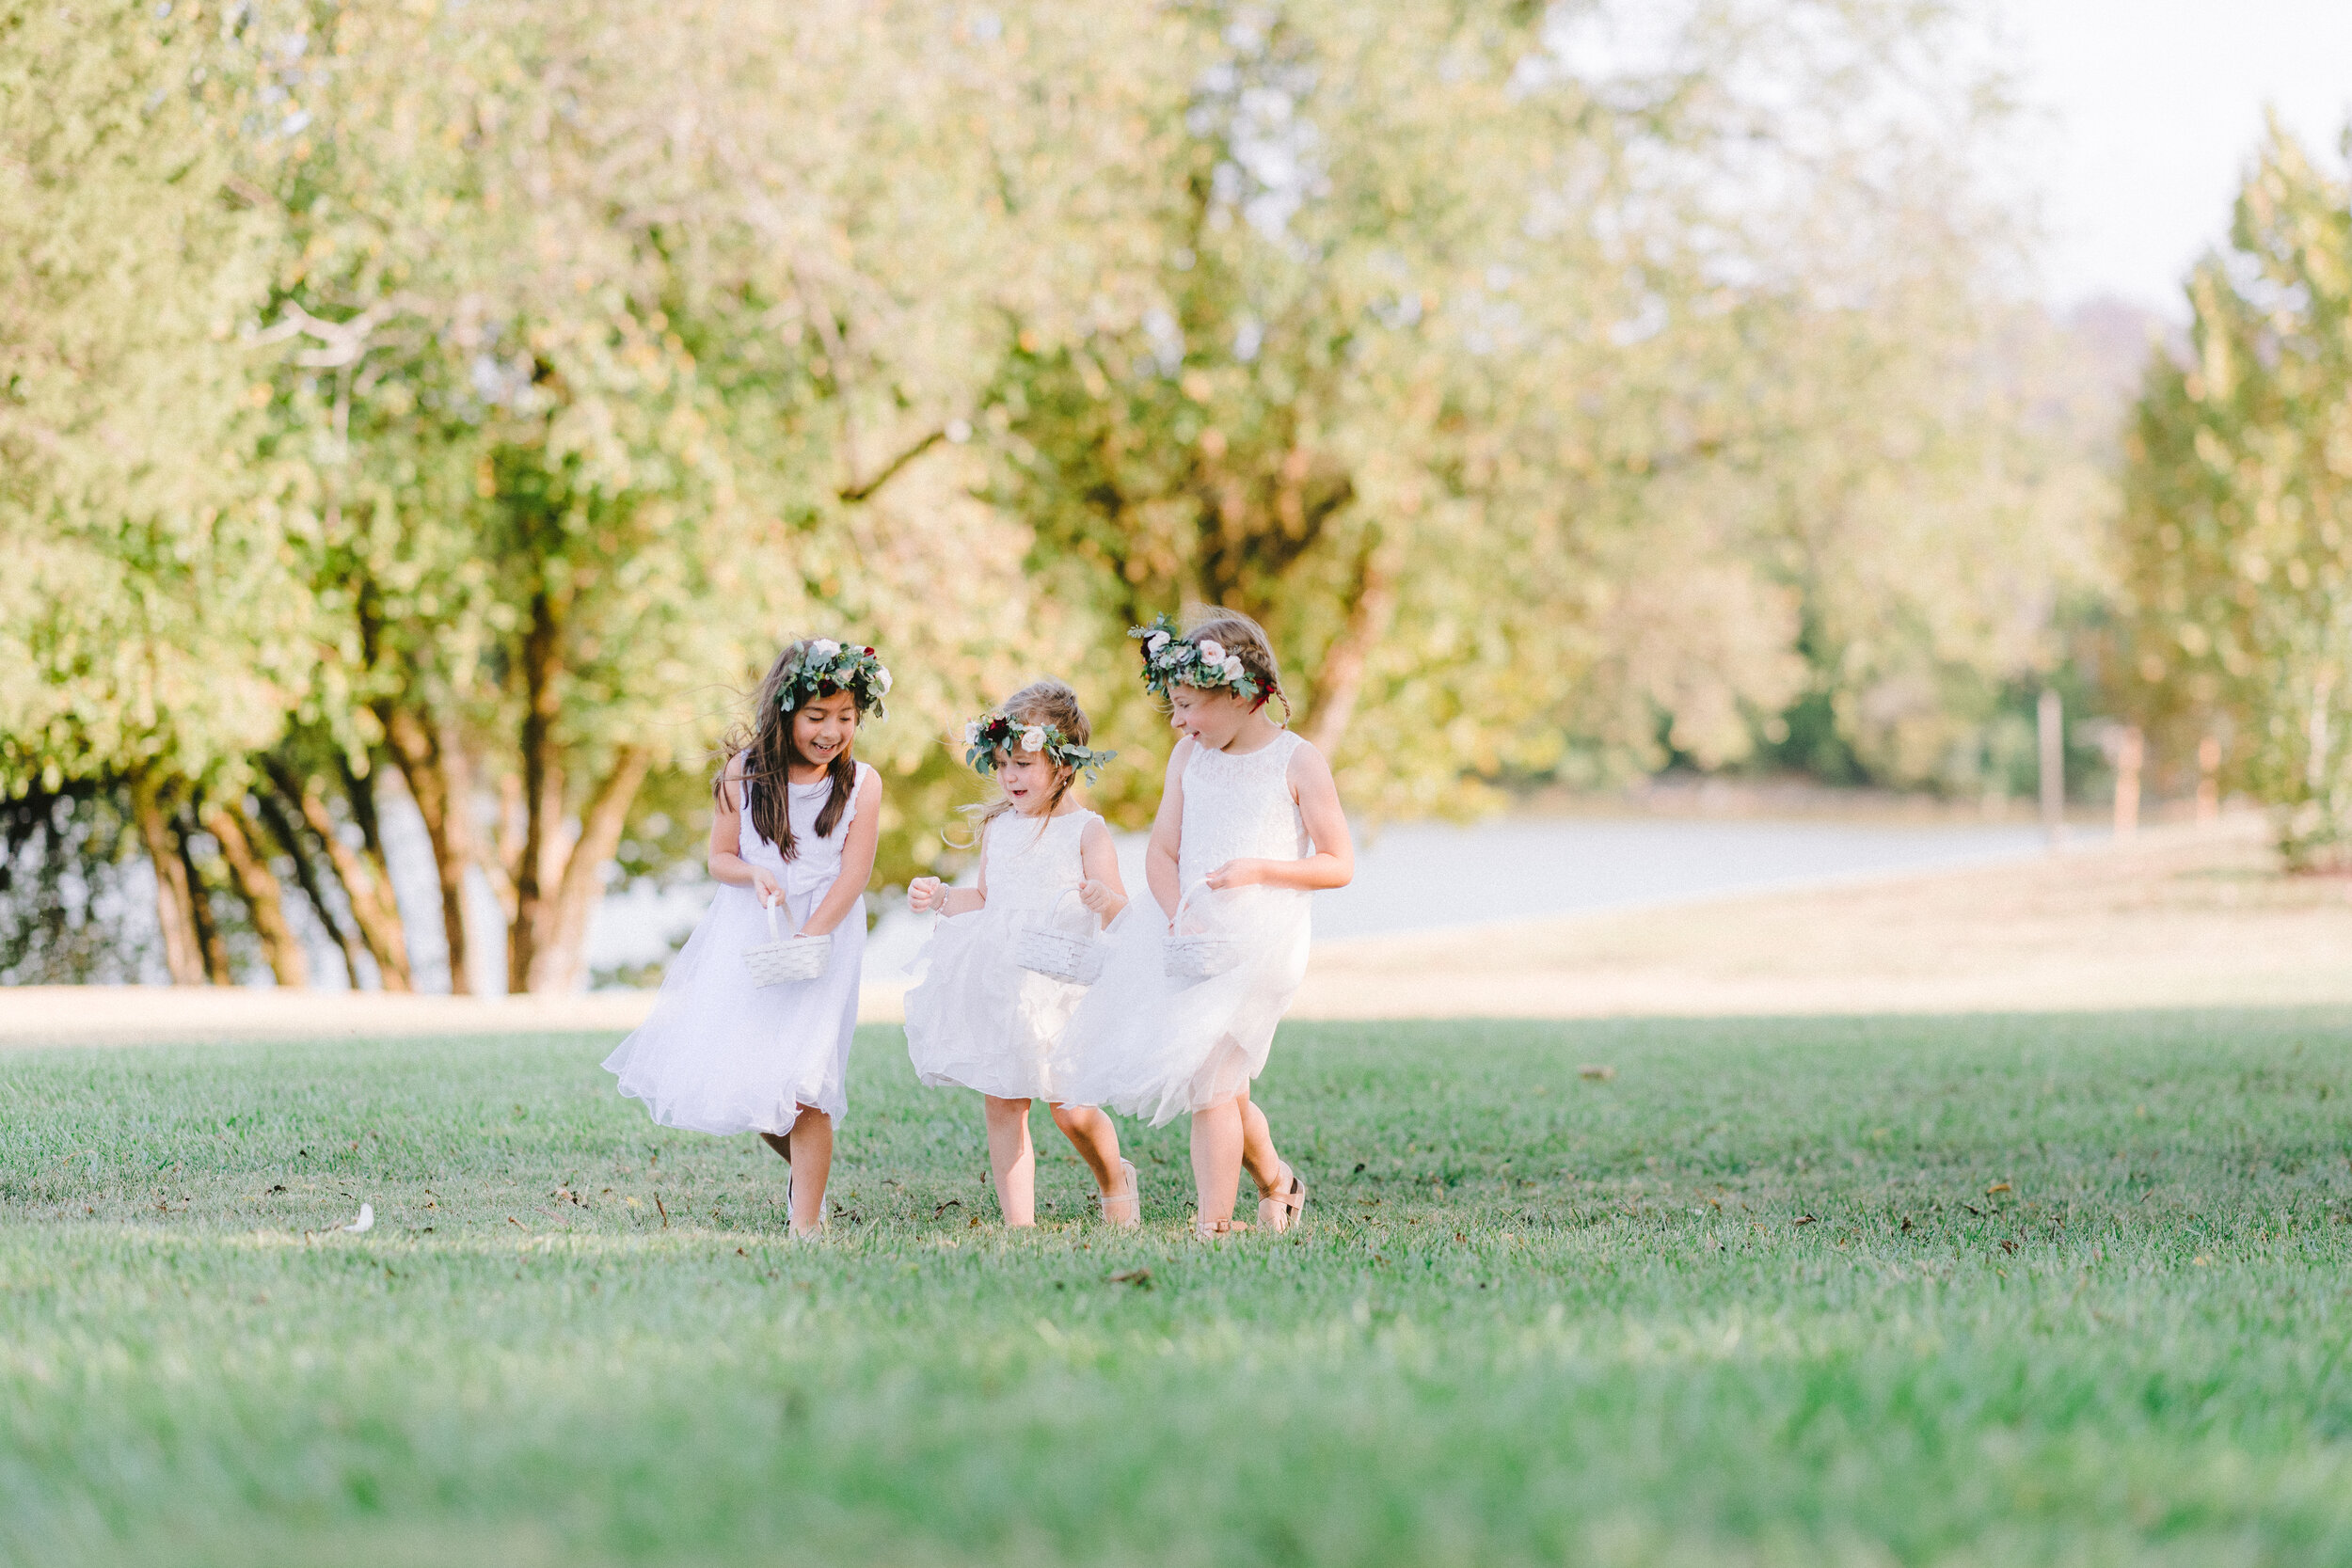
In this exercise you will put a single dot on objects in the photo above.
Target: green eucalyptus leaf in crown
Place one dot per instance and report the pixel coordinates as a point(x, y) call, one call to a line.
point(992, 733)
point(1171, 658)
point(828, 668)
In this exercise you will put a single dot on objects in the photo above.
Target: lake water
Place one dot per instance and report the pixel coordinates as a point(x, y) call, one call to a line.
point(1412, 876)
point(1428, 876)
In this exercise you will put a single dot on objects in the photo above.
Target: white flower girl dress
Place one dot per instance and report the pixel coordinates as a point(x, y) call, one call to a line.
point(978, 1019)
point(720, 1054)
point(1151, 1046)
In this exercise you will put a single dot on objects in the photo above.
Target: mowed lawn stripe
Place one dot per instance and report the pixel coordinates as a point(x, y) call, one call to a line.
point(2065, 1289)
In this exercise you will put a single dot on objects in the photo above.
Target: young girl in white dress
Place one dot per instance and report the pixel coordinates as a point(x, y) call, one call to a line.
point(981, 1021)
point(794, 826)
point(1249, 825)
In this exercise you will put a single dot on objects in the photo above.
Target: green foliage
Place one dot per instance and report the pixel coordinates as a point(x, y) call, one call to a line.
point(2030, 1290)
point(2239, 520)
point(472, 400)
point(1536, 399)
point(141, 625)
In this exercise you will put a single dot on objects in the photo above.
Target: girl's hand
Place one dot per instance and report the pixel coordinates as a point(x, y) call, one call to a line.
point(925, 894)
point(1237, 874)
point(1098, 896)
point(764, 887)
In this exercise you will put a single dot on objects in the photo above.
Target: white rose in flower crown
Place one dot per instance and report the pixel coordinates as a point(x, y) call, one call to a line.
point(1232, 667)
point(1211, 651)
point(1033, 739)
point(824, 647)
point(1154, 643)
point(881, 680)
point(971, 732)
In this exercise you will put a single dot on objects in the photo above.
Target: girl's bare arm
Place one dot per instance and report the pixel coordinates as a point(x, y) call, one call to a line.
point(1168, 834)
point(1332, 864)
point(927, 893)
point(1104, 892)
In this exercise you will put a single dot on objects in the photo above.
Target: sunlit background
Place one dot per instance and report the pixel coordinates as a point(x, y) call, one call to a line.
point(1677, 448)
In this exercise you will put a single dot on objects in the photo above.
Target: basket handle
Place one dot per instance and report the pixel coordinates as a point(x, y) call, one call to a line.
point(1053, 916)
point(1184, 903)
point(769, 905)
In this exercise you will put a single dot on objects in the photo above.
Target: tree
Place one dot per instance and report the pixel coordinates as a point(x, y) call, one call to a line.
point(2239, 508)
point(145, 639)
point(1534, 388)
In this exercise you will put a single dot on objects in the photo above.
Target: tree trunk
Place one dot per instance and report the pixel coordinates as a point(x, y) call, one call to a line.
point(372, 906)
point(275, 818)
point(558, 953)
point(175, 900)
point(208, 937)
point(433, 767)
point(543, 792)
point(1342, 677)
point(259, 888)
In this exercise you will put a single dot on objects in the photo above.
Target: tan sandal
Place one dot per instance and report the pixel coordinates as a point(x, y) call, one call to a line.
point(1124, 1209)
point(1279, 1211)
point(1216, 1230)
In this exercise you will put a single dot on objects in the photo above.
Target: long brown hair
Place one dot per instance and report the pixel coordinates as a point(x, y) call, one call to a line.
point(1247, 640)
point(768, 751)
point(1053, 705)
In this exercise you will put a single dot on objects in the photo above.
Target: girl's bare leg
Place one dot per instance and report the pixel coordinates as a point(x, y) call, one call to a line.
point(1217, 1155)
point(1257, 1147)
point(1096, 1139)
point(1011, 1160)
point(808, 1149)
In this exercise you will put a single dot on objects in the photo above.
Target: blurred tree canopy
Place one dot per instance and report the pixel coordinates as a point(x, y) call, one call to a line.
point(2238, 509)
point(455, 406)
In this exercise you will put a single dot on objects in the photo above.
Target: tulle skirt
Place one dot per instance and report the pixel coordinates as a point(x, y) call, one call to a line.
point(1149, 1046)
point(720, 1054)
point(979, 1020)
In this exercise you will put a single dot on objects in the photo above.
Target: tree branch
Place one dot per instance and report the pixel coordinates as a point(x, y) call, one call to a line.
point(857, 493)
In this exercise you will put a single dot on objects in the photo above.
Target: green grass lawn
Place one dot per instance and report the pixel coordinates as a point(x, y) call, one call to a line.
point(2060, 1289)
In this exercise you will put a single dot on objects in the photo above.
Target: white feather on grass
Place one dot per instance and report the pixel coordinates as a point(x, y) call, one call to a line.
point(366, 1220)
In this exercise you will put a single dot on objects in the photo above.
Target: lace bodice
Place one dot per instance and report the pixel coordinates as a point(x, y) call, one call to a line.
point(1240, 807)
point(1031, 864)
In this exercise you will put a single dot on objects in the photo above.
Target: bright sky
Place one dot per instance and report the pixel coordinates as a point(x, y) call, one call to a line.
point(2153, 107)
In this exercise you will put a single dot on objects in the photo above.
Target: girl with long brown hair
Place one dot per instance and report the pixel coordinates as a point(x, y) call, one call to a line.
point(795, 820)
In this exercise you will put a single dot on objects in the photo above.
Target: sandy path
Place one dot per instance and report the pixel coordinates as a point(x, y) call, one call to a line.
point(2177, 919)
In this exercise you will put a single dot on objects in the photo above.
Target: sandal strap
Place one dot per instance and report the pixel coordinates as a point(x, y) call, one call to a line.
point(1293, 1196)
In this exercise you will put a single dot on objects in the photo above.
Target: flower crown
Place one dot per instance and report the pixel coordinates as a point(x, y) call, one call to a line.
point(984, 737)
point(1171, 658)
point(827, 668)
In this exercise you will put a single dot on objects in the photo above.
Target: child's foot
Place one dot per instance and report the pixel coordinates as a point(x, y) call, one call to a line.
point(1216, 1230)
point(1278, 1210)
point(1124, 1209)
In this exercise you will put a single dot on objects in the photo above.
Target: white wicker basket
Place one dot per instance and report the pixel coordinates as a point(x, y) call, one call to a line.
point(782, 960)
point(1191, 957)
point(1073, 956)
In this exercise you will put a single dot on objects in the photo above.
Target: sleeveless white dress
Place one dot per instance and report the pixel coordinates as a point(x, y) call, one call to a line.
point(720, 1054)
point(978, 1019)
point(1153, 1047)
